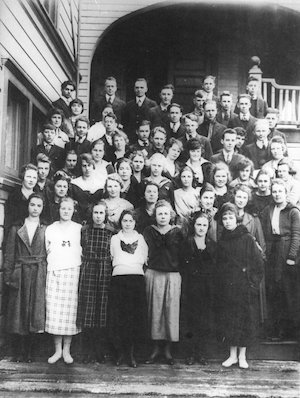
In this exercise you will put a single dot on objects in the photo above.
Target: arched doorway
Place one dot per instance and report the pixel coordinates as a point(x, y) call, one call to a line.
point(180, 43)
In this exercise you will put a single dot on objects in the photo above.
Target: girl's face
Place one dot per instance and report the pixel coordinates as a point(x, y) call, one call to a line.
point(229, 221)
point(201, 226)
point(138, 163)
point(245, 173)
point(30, 179)
point(276, 150)
point(113, 189)
point(279, 194)
point(35, 207)
point(128, 223)
point(119, 143)
point(195, 154)
point(66, 210)
point(87, 168)
point(186, 178)
point(98, 214)
point(159, 140)
point(220, 178)
point(241, 199)
point(61, 188)
point(283, 172)
point(151, 194)
point(173, 152)
point(156, 167)
point(125, 171)
point(163, 216)
point(98, 152)
point(207, 200)
point(76, 109)
point(56, 120)
point(263, 183)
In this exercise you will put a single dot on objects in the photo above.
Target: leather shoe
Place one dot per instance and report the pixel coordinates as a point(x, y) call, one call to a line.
point(132, 362)
point(190, 361)
point(119, 360)
point(170, 361)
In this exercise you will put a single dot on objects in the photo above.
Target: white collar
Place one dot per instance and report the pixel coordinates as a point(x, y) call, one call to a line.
point(140, 99)
point(111, 97)
point(260, 144)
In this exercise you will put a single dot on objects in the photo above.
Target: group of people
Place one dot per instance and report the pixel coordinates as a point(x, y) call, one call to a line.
point(149, 215)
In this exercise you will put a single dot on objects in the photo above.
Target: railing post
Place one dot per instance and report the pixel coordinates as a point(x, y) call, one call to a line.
point(255, 70)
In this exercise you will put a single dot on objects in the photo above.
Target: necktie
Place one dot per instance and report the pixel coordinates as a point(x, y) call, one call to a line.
point(226, 116)
point(210, 131)
point(48, 147)
point(139, 103)
point(109, 101)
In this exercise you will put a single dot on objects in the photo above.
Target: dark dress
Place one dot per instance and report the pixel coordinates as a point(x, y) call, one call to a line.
point(258, 203)
point(85, 199)
point(94, 280)
point(199, 281)
point(282, 280)
point(25, 275)
point(240, 270)
point(16, 208)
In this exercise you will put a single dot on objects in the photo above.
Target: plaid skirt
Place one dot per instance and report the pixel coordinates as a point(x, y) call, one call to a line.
point(163, 291)
point(62, 301)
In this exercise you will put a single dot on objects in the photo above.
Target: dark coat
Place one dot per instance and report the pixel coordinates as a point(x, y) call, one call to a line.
point(16, 208)
point(220, 118)
point(179, 133)
point(236, 158)
point(217, 134)
point(258, 156)
point(240, 270)
point(56, 155)
point(78, 147)
point(158, 117)
point(25, 271)
point(118, 106)
point(61, 104)
point(247, 125)
point(282, 280)
point(207, 151)
point(133, 115)
point(258, 108)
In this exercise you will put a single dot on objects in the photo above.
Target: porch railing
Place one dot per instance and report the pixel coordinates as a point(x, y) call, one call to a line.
point(283, 97)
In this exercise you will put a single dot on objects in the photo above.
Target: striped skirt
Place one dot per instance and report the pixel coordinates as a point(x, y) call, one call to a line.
point(62, 301)
point(163, 291)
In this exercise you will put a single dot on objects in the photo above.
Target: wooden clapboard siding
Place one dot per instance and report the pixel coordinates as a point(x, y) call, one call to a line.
point(26, 41)
point(95, 18)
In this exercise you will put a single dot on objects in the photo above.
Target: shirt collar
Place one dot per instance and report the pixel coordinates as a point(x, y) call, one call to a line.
point(139, 99)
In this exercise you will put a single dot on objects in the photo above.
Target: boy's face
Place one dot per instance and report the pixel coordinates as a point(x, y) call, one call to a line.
point(143, 132)
point(159, 140)
point(175, 114)
point(208, 85)
point(198, 102)
point(140, 88)
point(229, 142)
point(240, 140)
point(210, 111)
point(110, 87)
point(81, 128)
point(226, 102)
point(252, 88)
point(272, 118)
point(67, 91)
point(110, 124)
point(166, 96)
point(43, 170)
point(261, 131)
point(49, 136)
point(191, 127)
point(244, 105)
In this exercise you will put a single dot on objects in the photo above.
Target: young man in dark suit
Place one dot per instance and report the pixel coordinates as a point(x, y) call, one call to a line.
point(109, 97)
point(227, 154)
point(244, 118)
point(208, 85)
point(210, 128)
point(55, 153)
point(80, 143)
point(225, 112)
point(258, 150)
point(272, 117)
point(259, 106)
point(175, 128)
point(159, 114)
point(67, 89)
point(137, 109)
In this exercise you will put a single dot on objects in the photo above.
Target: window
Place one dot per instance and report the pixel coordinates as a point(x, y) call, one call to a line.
point(16, 128)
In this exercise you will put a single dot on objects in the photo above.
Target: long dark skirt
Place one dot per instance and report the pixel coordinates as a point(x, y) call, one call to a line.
point(200, 310)
point(127, 311)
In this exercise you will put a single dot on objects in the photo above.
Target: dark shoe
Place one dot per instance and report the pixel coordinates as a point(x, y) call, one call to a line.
point(203, 361)
point(152, 359)
point(190, 361)
point(132, 362)
point(119, 360)
point(170, 361)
